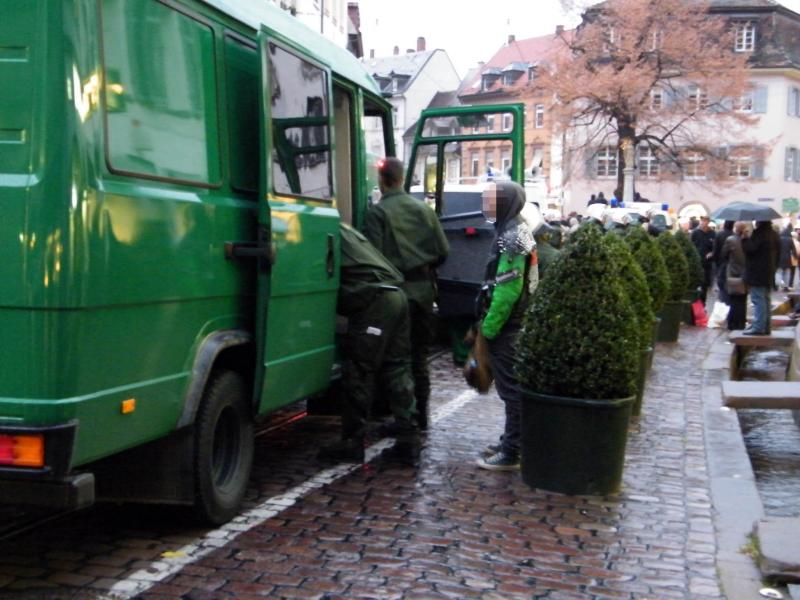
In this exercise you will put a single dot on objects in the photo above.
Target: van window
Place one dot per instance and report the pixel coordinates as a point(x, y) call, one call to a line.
point(241, 70)
point(161, 103)
point(343, 154)
point(301, 157)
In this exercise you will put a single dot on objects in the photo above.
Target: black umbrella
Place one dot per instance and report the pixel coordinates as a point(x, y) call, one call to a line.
point(745, 211)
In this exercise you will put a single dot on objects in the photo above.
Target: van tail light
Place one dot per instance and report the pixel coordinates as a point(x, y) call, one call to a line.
point(22, 450)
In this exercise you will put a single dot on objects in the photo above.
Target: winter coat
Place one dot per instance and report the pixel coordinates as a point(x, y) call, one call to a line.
point(761, 251)
point(788, 251)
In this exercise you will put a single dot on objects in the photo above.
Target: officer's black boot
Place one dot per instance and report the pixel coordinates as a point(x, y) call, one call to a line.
point(405, 451)
point(422, 414)
point(348, 450)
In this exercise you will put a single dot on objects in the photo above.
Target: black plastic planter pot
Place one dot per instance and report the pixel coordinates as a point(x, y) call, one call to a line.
point(670, 316)
point(645, 361)
point(687, 314)
point(574, 446)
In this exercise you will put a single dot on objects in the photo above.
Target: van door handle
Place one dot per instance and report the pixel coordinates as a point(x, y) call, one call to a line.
point(330, 262)
point(263, 250)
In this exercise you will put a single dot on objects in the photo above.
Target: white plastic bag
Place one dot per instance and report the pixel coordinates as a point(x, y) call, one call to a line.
point(719, 315)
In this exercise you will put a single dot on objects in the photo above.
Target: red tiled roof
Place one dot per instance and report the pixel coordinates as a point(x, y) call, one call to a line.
point(532, 50)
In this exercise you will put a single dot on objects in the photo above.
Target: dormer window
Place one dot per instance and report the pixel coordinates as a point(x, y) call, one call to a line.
point(510, 77)
point(532, 73)
point(745, 37)
point(489, 77)
point(513, 72)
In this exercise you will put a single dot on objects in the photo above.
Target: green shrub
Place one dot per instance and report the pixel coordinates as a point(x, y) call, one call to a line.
point(645, 252)
point(677, 267)
point(692, 259)
point(634, 283)
point(579, 338)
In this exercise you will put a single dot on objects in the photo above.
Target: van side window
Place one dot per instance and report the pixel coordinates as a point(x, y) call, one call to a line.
point(241, 71)
point(301, 153)
point(161, 102)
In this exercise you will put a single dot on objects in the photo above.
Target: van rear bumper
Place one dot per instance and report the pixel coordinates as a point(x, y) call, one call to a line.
point(51, 485)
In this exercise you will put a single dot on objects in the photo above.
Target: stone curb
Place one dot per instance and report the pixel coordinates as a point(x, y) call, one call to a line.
point(737, 505)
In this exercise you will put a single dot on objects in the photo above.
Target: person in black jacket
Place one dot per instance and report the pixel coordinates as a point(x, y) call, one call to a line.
point(787, 257)
point(703, 240)
point(718, 260)
point(761, 251)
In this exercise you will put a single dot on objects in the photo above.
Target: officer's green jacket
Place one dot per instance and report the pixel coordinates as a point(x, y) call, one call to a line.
point(547, 256)
point(407, 232)
point(363, 271)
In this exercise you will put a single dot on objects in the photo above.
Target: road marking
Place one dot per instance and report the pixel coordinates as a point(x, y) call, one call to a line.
point(142, 580)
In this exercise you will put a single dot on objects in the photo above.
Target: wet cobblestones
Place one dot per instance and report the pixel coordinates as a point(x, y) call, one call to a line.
point(443, 530)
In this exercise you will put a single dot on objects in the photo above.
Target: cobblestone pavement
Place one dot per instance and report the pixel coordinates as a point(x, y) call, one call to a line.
point(443, 530)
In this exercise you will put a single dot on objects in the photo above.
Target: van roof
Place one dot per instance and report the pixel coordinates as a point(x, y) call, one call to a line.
point(254, 13)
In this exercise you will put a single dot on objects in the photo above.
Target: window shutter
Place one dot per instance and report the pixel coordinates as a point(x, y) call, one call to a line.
point(760, 99)
point(796, 161)
point(788, 165)
point(590, 162)
point(758, 168)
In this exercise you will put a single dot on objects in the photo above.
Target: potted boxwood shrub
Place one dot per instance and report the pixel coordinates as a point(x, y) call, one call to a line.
point(645, 252)
point(577, 362)
point(695, 272)
point(678, 270)
point(634, 283)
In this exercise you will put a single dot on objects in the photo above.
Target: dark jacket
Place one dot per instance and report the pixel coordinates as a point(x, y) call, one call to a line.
point(704, 242)
point(733, 256)
point(761, 252)
point(719, 242)
point(788, 250)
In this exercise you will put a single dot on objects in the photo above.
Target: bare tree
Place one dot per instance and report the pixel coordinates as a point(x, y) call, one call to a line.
point(659, 75)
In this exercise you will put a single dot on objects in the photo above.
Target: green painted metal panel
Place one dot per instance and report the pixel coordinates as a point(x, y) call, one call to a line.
point(115, 270)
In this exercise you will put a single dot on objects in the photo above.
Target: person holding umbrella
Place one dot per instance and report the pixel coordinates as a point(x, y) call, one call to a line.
point(761, 251)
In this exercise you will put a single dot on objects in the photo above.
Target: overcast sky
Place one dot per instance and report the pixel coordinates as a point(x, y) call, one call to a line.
point(470, 30)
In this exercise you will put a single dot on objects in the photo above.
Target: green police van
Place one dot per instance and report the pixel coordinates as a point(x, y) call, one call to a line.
point(172, 178)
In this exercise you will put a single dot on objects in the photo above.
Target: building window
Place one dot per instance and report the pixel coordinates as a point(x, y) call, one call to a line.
point(744, 103)
point(740, 166)
point(745, 37)
point(507, 121)
point(490, 124)
point(475, 165)
point(648, 162)
point(698, 99)
point(794, 102)
point(694, 165)
point(538, 116)
point(792, 169)
point(607, 162)
point(656, 39)
point(505, 162)
point(656, 99)
point(489, 161)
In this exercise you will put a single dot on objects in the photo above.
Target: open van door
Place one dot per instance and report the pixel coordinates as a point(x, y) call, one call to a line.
point(298, 226)
point(448, 168)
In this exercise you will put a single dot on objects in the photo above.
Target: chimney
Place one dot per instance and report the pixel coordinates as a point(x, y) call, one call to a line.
point(396, 50)
point(372, 53)
point(511, 39)
point(559, 29)
point(420, 44)
point(409, 51)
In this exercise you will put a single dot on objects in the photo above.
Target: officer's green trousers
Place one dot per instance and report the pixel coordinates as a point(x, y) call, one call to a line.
point(377, 348)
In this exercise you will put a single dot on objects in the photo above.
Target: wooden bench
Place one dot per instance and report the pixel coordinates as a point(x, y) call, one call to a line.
point(782, 338)
point(761, 394)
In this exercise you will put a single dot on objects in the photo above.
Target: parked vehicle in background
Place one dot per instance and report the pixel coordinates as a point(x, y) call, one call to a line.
point(175, 227)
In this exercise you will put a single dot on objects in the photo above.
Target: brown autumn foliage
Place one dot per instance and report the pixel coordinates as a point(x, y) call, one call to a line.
point(660, 73)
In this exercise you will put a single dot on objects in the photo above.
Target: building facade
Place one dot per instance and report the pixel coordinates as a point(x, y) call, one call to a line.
point(328, 17)
point(410, 81)
point(764, 170)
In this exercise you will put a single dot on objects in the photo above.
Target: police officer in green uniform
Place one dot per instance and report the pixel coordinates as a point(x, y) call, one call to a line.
point(376, 346)
point(407, 232)
point(547, 253)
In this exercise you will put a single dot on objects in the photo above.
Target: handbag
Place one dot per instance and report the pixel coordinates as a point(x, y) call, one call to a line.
point(477, 370)
point(735, 286)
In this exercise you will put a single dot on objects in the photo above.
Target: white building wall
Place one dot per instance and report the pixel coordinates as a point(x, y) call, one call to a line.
point(775, 128)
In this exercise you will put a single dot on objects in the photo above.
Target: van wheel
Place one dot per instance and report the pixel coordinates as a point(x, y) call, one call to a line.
point(223, 448)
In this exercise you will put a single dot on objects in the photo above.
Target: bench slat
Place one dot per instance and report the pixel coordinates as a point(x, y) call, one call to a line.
point(779, 339)
point(761, 394)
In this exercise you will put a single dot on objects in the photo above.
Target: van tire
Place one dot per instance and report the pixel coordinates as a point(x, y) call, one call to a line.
point(223, 448)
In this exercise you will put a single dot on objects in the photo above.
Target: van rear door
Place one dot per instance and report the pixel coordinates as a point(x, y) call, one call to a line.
point(449, 166)
point(298, 226)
